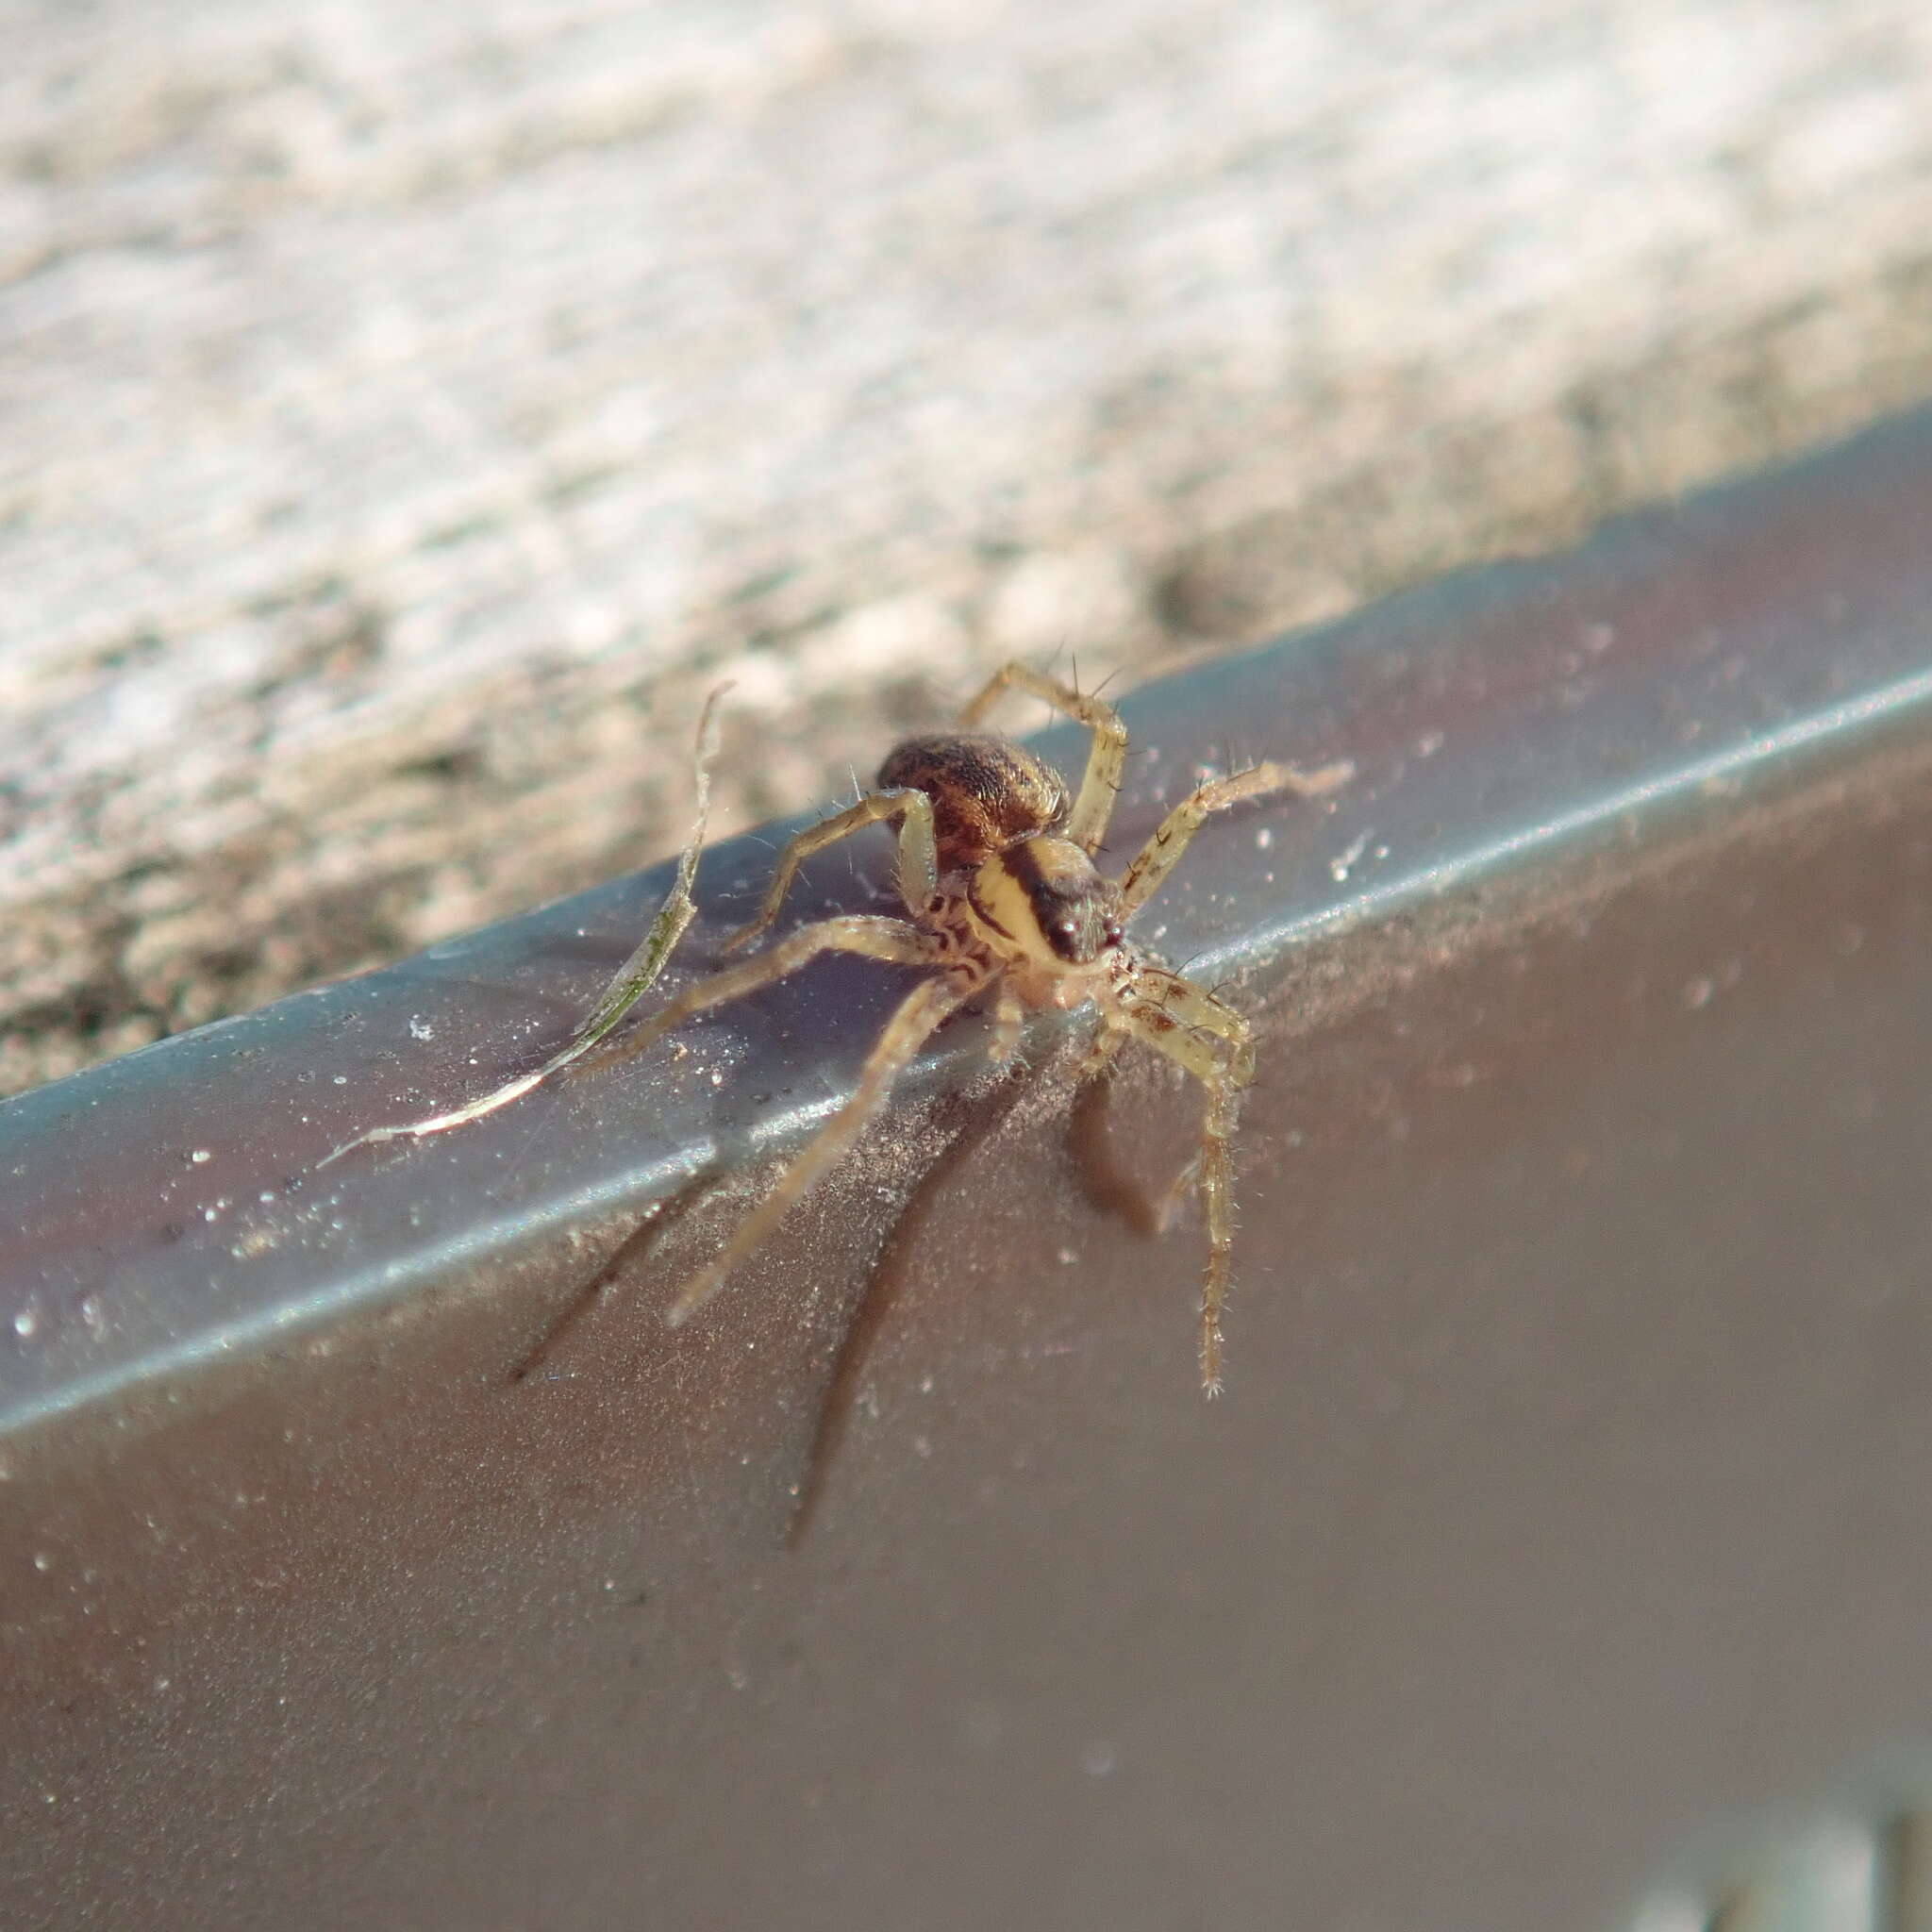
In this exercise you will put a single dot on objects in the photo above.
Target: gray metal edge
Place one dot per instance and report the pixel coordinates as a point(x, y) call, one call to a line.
point(164, 1211)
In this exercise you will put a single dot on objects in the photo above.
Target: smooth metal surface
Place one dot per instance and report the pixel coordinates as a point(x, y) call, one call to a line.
point(1572, 1484)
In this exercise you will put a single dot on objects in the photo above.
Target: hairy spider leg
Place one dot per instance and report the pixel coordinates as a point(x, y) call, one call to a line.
point(918, 863)
point(895, 940)
point(1106, 759)
point(1157, 857)
point(1220, 1066)
point(1008, 1025)
point(912, 1024)
point(1194, 1006)
point(1164, 998)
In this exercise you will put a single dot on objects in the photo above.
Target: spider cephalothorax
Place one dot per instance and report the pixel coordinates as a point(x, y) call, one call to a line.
point(1002, 897)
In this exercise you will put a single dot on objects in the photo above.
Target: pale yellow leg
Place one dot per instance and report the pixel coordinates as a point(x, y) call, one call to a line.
point(1156, 858)
point(1221, 1067)
point(905, 1033)
point(1188, 1005)
point(919, 865)
point(893, 940)
point(1087, 825)
point(1008, 1023)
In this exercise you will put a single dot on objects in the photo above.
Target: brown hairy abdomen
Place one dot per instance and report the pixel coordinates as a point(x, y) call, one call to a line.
point(986, 791)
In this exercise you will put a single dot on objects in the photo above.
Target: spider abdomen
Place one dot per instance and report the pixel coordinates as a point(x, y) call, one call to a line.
point(987, 791)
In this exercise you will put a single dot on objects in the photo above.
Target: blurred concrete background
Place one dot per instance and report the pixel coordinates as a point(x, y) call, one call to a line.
point(406, 412)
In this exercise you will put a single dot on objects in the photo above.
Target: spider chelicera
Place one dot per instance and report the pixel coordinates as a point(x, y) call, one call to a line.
point(997, 874)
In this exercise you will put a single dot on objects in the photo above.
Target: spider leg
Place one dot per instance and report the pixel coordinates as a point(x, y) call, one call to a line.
point(1156, 858)
point(894, 940)
point(1093, 807)
point(1195, 1008)
point(1182, 1003)
point(1100, 1057)
point(891, 939)
point(905, 1033)
point(1009, 1023)
point(919, 865)
point(633, 979)
point(1223, 1063)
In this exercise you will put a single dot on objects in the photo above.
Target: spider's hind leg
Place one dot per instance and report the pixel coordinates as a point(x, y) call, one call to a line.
point(1106, 759)
point(912, 1024)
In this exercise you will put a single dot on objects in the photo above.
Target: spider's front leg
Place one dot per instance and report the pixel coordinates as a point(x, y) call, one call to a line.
point(1220, 1055)
point(1106, 759)
point(911, 1025)
point(1161, 853)
point(919, 864)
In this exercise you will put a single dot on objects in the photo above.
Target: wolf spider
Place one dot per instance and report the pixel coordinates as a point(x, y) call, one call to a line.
point(1001, 892)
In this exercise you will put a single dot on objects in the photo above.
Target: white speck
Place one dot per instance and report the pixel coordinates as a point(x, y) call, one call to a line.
point(91, 1312)
point(925, 1385)
point(1068, 1256)
point(1697, 993)
point(1098, 1758)
point(26, 1322)
point(1428, 745)
point(41, 1561)
point(266, 1195)
point(716, 1077)
point(211, 1213)
point(1341, 867)
point(922, 1445)
point(200, 1155)
point(164, 1683)
point(421, 1028)
point(340, 1080)
point(1264, 838)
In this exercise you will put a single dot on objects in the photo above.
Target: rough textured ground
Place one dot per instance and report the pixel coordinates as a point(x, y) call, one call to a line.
point(405, 412)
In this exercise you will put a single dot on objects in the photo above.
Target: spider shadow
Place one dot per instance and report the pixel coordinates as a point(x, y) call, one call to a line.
point(977, 1116)
point(885, 1282)
point(658, 1220)
point(1107, 1185)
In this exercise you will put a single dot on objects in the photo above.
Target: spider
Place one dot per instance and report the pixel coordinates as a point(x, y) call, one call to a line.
point(1001, 892)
